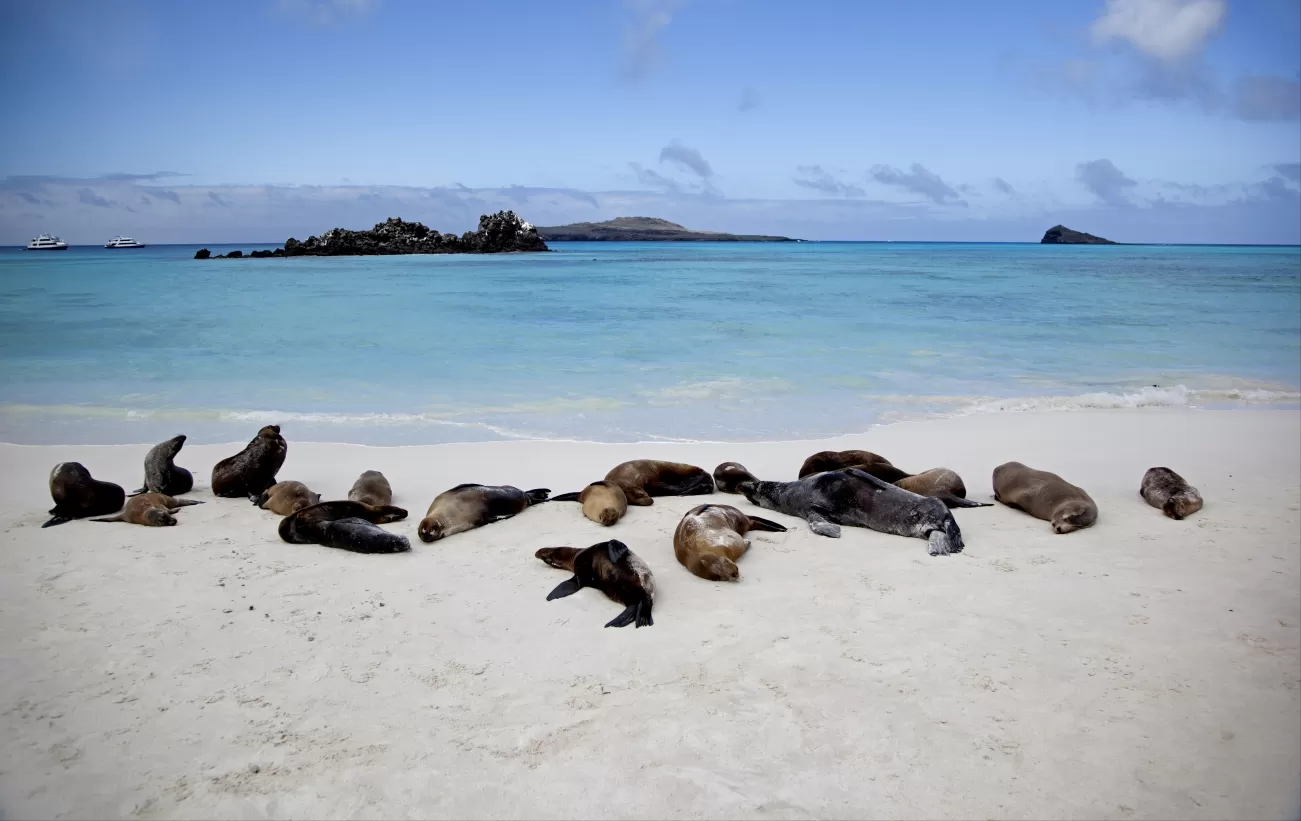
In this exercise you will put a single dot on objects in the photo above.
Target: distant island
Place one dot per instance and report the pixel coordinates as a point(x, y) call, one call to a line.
point(1061, 235)
point(643, 229)
point(498, 233)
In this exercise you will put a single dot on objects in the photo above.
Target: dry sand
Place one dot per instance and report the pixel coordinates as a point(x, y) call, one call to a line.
point(1143, 668)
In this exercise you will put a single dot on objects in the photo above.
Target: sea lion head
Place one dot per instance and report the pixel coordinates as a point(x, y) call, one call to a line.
point(1070, 516)
point(550, 556)
point(269, 432)
point(719, 568)
point(158, 517)
point(430, 530)
point(730, 475)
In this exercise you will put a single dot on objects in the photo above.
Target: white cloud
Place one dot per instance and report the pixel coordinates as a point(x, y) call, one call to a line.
point(1169, 30)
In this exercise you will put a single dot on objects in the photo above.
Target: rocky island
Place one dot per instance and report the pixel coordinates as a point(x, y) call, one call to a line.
point(643, 229)
point(1061, 235)
point(498, 233)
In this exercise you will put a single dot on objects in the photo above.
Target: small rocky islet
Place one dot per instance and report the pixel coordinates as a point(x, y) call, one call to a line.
point(1061, 235)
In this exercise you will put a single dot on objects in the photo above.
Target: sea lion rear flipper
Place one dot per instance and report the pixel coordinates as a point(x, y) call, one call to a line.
point(617, 550)
point(187, 502)
point(57, 520)
point(625, 618)
point(757, 523)
point(565, 588)
point(950, 501)
point(117, 518)
point(566, 497)
point(538, 495)
point(137, 492)
point(644, 614)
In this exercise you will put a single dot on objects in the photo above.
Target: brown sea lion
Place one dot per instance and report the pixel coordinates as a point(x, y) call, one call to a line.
point(151, 510)
point(77, 494)
point(729, 475)
point(286, 497)
point(603, 502)
point(345, 525)
point(1164, 488)
point(825, 460)
point(371, 488)
point(709, 540)
point(611, 568)
point(468, 506)
point(1045, 496)
point(254, 468)
point(938, 483)
point(161, 473)
point(641, 479)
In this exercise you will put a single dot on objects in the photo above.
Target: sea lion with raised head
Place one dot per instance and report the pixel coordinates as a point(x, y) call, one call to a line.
point(603, 502)
point(371, 488)
point(729, 475)
point(161, 473)
point(611, 568)
point(254, 468)
point(345, 525)
point(78, 495)
point(710, 538)
point(641, 479)
point(151, 510)
point(468, 506)
point(1044, 496)
point(826, 460)
point(1164, 488)
point(286, 497)
point(853, 497)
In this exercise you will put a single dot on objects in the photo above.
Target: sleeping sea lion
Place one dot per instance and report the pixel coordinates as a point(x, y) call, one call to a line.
point(939, 483)
point(1044, 496)
point(161, 474)
point(826, 460)
point(371, 488)
point(709, 540)
point(468, 506)
point(254, 468)
point(1164, 488)
point(77, 495)
point(603, 502)
point(641, 479)
point(286, 497)
point(151, 510)
point(346, 525)
point(611, 568)
point(731, 474)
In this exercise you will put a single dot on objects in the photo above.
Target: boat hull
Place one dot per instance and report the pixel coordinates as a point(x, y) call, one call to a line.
point(48, 248)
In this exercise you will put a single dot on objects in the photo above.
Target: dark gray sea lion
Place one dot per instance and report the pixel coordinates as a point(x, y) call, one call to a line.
point(603, 502)
point(826, 460)
point(254, 468)
point(286, 498)
point(710, 538)
point(853, 497)
point(77, 495)
point(161, 474)
point(731, 474)
point(939, 483)
point(1044, 496)
point(371, 488)
point(641, 479)
point(1164, 488)
point(468, 506)
point(611, 568)
point(151, 510)
point(345, 525)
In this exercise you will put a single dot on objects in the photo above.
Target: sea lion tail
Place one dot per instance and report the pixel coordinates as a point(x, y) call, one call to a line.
point(950, 501)
point(566, 497)
point(538, 495)
point(757, 523)
point(57, 520)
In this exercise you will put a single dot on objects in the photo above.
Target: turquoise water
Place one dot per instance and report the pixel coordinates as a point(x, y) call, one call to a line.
point(631, 341)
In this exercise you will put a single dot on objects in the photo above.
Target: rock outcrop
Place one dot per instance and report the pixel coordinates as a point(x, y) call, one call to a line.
point(643, 229)
point(1061, 235)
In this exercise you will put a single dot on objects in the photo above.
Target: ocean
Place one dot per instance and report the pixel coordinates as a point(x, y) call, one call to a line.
point(628, 342)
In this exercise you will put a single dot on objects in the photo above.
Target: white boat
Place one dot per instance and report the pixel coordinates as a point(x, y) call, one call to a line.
point(47, 242)
point(123, 242)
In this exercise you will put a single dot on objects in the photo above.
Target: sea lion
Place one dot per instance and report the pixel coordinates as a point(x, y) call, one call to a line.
point(286, 498)
point(1164, 488)
point(938, 483)
point(161, 474)
point(254, 468)
point(709, 540)
point(731, 474)
point(1044, 496)
point(826, 460)
point(641, 479)
point(150, 510)
point(853, 497)
point(77, 494)
point(611, 568)
point(468, 506)
point(371, 488)
point(603, 502)
point(346, 525)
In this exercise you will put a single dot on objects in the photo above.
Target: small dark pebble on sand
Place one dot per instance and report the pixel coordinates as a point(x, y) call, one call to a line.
point(250, 607)
point(381, 604)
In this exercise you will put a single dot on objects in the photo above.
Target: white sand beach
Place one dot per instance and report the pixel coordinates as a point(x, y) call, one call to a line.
point(1142, 668)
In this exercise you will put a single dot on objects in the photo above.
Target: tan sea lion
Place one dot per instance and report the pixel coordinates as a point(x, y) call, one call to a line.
point(286, 497)
point(641, 479)
point(709, 540)
point(603, 502)
point(729, 475)
point(371, 488)
point(254, 468)
point(1045, 496)
point(151, 510)
point(77, 494)
point(825, 460)
point(345, 525)
point(611, 568)
point(468, 506)
point(938, 483)
point(1164, 488)
point(161, 473)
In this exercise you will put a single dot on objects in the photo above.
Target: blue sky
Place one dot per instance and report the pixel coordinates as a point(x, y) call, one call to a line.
point(250, 120)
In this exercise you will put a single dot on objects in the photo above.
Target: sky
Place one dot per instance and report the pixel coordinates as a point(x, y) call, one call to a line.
point(255, 120)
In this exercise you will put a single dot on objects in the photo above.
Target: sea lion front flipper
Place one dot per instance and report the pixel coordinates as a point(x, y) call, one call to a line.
point(57, 520)
point(566, 497)
point(644, 614)
point(538, 495)
point(565, 588)
point(950, 501)
point(757, 523)
point(822, 526)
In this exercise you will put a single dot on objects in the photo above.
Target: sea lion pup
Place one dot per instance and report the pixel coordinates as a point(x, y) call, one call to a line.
point(254, 468)
point(77, 495)
point(853, 497)
point(1164, 488)
point(938, 483)
point(150, 510)
point(825, 460)
point(371, 488)
point(286, 498)
point(161, 475)
point(346, 525)
point(709, 540)
point(603, 502)
point(731, 474)
point(468, 506)
point(641, 479)
point(611, 568)
point(1044, 496)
